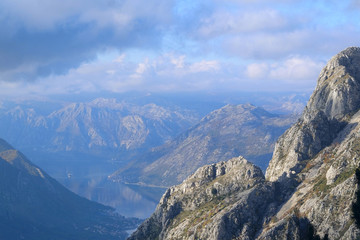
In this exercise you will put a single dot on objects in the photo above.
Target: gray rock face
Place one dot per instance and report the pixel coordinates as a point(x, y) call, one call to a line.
point(310, 183)
point(335, 99)
point(337, 92)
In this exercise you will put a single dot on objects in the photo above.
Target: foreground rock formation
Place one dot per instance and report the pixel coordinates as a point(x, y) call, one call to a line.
point(309, 186)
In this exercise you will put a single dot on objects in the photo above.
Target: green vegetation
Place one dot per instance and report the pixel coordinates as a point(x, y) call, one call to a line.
point(343, 176)
point(321, 185)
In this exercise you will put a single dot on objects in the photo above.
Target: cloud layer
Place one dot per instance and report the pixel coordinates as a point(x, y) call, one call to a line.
point(170, 45)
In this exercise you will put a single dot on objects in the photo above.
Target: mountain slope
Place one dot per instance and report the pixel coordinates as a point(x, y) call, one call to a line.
point(35, 206)
point(310, 183)
point(225, 133)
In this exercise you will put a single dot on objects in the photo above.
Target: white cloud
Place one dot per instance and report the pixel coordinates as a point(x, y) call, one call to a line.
point(170, 72)
point(204, 66)
point(142, 67)
point(120, 58)
point(178, 61)
point(226, 22)
point(267, 45)
point(37, 14)
point(110, 71)
point(167, 72)
point(208, 45)
point(257, 70)
point(46, 15)
point(293, 69)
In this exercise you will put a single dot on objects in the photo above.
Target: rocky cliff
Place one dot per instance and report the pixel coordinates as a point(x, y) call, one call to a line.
point(309, 186)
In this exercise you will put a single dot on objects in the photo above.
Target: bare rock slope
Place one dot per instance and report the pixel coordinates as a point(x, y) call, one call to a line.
point(309, 186)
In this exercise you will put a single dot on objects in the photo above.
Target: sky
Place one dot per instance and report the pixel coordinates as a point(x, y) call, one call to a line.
point(86, 46)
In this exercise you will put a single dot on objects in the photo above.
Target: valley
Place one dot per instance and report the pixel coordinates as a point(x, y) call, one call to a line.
point(84, 145)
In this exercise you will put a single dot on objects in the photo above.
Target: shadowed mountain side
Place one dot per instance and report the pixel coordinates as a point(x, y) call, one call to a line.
point(35, 206)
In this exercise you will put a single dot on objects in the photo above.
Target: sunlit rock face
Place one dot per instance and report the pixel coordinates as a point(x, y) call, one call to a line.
point(335, 99)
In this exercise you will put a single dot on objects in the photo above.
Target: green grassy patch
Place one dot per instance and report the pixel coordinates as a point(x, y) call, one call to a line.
point(321, 187)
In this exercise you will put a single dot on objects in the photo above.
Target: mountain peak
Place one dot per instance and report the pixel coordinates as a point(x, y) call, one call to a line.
point(344, 58)
point(4, 145)
point(335, 99)
point(184, 209)
point(338, 90)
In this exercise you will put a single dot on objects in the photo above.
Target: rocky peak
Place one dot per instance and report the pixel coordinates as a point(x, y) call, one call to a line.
point(337, 93)
point(335, 99)
point(213, 190)
point(348, 59)
point(236, 173)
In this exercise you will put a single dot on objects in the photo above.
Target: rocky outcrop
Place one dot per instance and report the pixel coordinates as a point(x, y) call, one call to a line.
point(310, 183)
point(218, 192)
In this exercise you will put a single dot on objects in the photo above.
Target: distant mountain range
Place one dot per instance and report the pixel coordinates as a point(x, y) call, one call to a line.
point(96, 127)
point(35, 206)
point(228, 132)
point(116, 128)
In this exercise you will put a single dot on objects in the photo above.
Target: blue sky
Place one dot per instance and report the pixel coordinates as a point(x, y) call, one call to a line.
point(79, 46)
